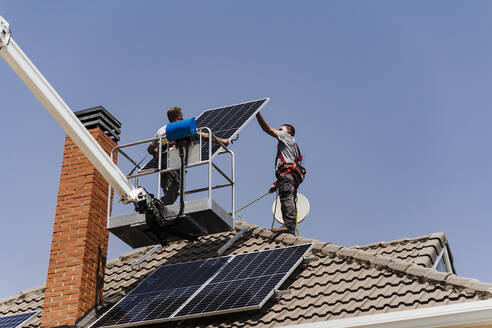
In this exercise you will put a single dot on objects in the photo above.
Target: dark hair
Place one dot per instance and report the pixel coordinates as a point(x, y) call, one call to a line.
point(290, 129)
point(172, 113)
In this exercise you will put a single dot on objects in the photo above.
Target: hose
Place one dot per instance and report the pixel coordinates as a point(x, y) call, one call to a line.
point(250, 203)
point(181, 176)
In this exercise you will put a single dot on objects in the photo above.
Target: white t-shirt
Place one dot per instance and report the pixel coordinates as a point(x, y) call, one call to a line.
point(160, 133)
point(287, 147)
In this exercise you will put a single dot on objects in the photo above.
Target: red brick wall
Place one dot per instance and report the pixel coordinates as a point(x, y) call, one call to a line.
point(80, 239)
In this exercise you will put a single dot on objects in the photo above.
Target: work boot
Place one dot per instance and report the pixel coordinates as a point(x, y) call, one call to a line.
point(282, 229)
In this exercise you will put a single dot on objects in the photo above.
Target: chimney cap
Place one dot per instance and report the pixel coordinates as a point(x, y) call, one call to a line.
point(99, 117)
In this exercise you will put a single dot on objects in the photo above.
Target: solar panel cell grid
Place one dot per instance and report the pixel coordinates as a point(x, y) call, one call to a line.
point(245, 281)
point(180, 275)
point(12, 321)
point(206, 287)
point(234, 294)
point(226, 122)
point(162, 293)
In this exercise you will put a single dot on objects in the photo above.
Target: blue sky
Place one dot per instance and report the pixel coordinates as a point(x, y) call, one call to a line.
point(390, 100)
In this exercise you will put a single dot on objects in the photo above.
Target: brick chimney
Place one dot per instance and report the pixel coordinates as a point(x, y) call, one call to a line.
point(80, 240)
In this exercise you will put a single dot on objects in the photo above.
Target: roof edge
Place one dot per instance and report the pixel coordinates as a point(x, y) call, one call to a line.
point(469, 313)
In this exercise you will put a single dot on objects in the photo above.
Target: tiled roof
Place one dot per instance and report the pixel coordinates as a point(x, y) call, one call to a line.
point(27, 301)
point(422, 250)
point(338, 282)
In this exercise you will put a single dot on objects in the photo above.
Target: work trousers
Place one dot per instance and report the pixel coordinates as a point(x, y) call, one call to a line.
point(287, 192)
point(170, 187)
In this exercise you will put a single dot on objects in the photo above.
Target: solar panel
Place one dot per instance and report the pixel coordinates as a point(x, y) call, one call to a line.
point(227, 122)
point(162, 293)
point(245, 283)
point(224, 122)
point(206, 287)
point(15, 320)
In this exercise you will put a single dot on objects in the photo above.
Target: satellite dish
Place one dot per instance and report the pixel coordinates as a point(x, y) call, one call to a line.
point(302, 204)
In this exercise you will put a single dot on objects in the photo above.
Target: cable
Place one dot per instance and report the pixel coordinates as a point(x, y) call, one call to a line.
point(275, 210)
point(250, 203)
point(138, 165)
point(297, 216)
point(235, 139)
point(181, 147)
point(241, 217)
point(181, 144)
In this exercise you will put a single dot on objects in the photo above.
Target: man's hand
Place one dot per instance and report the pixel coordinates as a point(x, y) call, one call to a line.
point(272, 188)
point(214, 138)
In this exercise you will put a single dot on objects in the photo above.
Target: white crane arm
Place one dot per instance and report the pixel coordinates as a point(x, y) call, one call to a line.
point(49, 98)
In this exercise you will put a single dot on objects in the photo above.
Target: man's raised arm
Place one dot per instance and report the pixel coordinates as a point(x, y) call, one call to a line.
point(265, 127)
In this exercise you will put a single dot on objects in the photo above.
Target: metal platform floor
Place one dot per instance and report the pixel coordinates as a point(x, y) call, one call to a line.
point(199, 219)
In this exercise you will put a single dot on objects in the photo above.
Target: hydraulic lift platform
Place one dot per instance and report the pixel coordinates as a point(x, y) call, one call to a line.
point(200, 217)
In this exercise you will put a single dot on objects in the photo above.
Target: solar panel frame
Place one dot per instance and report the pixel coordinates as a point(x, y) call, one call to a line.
point(175, 316)
point(264, 299)
point(215, 146)
point(145, 281)
point(25, 317)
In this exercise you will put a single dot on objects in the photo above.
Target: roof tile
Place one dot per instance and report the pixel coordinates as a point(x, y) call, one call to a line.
point(422, 250)
point(382, 260)
point(364, 256)
point(416, 270)
point(346, 252)
point(433, 274)
point(457, 281)
point(330, 249)
point(342, 282)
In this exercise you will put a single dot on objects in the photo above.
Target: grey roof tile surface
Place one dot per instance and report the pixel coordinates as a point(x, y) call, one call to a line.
point(27, 301)
point(339, 282)
point(422, 250)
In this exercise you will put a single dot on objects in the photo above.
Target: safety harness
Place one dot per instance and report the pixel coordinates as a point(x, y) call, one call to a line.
point(295, 169)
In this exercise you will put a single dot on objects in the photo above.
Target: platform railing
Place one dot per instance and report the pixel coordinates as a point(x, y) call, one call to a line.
point(141, 171)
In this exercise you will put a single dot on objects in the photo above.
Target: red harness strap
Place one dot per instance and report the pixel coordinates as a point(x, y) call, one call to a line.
point(295, 168)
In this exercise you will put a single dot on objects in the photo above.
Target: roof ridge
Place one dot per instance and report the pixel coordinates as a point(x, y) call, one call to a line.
point(428, 274)
point(440, 235)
